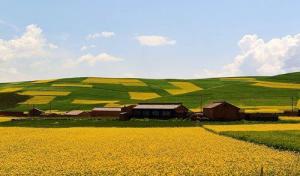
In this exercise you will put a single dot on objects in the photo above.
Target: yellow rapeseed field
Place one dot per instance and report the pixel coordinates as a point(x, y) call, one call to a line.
point(238, 79)
point(110, 105)
point(87, 102)
point(43, 81)
point(72, 85)
point(39, 100)
point(49, 93)
point(143, 95)
point(261, 110)
point(298, 104)
point(265, 109)
point(289, 118)
point(183, 88)
point(136, 151)
point(123, 81)
point(254, 127)
point(10, 89)
point(4, 119)
point(277, 85)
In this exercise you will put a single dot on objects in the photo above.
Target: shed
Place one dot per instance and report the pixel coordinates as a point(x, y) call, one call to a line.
point(159, 110)
point(77, 113)
point(106, 112)
point(222, 110)
point(35, 112)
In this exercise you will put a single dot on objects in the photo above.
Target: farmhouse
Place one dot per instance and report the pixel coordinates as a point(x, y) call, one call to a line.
point(221, 110)
point(159, 110)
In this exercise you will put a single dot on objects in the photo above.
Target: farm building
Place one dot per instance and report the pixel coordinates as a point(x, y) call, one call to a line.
point(222, 110)
point(106, 112)
point(77, 113)
point(112, 111)
point(159, 110)
point(35, 112)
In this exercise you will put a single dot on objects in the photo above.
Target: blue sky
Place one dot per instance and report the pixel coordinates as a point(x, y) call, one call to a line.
point(153, 39)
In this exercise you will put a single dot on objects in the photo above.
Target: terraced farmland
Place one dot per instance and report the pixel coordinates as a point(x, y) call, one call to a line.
point(255, 94)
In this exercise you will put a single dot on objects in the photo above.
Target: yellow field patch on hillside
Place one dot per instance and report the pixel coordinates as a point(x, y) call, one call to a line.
point(289, 118)
point(136, 151)
point(122, 81)
point(71, 85)
point(183, 88)
point(43, 81)
point(298, 104)
point(254, 127)
point(278, 85)
point(195, 109)
point(238, 79)
point(11, 89)
point(39, 100)
point(4, 119)
point(37, 93)
point(87, 102)
point(265, 109)
point(111, 105)
point(143, 95)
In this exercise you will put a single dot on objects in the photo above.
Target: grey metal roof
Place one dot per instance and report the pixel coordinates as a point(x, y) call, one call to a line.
point(216, 104)
point(157, 106)
point(74, 112)
point(213, 105)
point(107, 109)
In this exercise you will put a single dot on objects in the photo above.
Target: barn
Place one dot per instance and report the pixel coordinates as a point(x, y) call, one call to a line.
point(221, 110)
point(159, 110)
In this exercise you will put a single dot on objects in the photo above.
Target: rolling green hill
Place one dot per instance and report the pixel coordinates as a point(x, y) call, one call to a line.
point(253, 93)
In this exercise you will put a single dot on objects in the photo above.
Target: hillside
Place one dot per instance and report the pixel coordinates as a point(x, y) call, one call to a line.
point(253, 93)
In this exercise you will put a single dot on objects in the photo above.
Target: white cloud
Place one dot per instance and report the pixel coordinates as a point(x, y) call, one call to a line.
point(31, 44)
point(154, 40)
point(104, 34)
point(259, 57)
point(83, 48)
point(92, 60)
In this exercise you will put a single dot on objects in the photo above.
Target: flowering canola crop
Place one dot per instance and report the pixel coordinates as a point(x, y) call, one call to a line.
point(43, 81)
point(123, 81)
point(39, 100)
point(183, 88)
point(72, 85)
point(136, 151)
point(143, 95)
point(50, 93)
point(277, 85)
point(10, 89)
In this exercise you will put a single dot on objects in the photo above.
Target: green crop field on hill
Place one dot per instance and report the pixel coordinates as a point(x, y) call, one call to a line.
point(271, 94)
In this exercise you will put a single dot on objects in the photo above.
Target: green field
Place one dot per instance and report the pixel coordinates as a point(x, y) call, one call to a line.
point(116, 92)
point(285, 140)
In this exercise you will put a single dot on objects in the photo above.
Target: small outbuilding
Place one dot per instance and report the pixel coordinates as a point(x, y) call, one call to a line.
point(35, 112)
point(222, 110)
point(78, 113)
point(159, 110)
point(106, 112)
